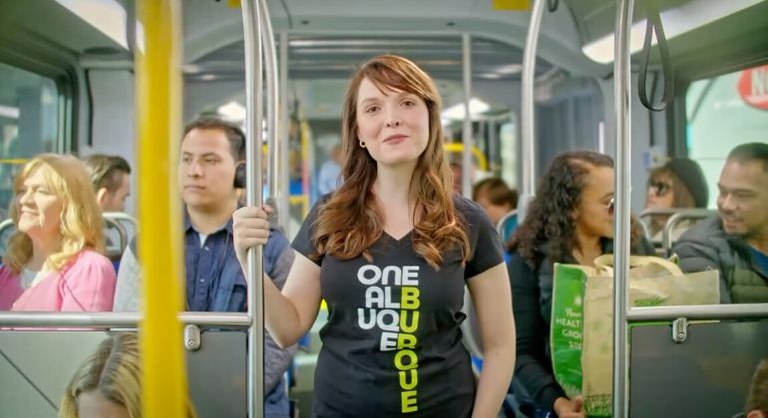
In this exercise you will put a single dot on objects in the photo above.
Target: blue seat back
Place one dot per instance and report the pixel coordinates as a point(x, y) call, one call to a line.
point(507, 226)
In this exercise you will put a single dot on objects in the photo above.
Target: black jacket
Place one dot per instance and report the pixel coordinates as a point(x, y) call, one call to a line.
point(707, 246)
point(532, 305)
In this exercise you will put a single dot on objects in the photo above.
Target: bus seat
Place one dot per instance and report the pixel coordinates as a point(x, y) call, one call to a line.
point(36, 366)
point(116, 238)
point(7, 228)
point(507, 225)
point(708, 373)
point(679, 222)
point(472, 341)
point(471, 333)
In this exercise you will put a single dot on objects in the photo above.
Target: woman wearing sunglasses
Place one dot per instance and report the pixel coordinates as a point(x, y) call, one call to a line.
point(569, 221)
point(678, 184)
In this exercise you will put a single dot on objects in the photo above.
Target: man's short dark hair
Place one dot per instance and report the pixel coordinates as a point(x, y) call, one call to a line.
point(496, 191)
point(106, 171)
point(751, 151)
point(234, 134)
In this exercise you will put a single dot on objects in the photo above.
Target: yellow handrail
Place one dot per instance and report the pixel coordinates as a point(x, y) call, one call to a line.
point(301, 199)
point(482, 162)
point(14, 161)
point(164, 380)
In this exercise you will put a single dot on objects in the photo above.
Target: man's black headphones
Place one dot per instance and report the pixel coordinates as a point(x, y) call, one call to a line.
point(240, 175)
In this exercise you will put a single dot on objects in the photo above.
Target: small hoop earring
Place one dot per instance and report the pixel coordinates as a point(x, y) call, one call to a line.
point(362, 144)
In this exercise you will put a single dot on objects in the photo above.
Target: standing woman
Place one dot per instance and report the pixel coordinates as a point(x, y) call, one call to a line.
point(569, 221)
point(391, 251)
point(53, 261)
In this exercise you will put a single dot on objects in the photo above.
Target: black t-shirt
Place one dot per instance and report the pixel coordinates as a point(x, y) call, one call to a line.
point(392, 344)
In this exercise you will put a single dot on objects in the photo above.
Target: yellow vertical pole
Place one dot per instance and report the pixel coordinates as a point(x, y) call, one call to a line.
point(511, 4)
point(164, 391)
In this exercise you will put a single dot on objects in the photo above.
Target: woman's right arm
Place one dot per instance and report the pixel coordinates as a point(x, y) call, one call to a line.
point(290, 314)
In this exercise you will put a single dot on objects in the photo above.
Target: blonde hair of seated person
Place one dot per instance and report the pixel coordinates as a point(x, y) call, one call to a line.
point(114, 372)
point(80, 224)
point(757, 399)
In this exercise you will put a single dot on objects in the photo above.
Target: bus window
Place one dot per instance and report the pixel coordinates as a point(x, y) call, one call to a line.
point(723, 112)
point(509, 160)
point(29, 123)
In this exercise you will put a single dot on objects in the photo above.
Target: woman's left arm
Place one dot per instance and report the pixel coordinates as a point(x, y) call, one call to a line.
point(492, 299)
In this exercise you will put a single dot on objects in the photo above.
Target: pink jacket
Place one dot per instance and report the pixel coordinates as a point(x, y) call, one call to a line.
point(88, 284)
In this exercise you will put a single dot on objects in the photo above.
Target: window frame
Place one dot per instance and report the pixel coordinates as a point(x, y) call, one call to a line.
point(65, 80)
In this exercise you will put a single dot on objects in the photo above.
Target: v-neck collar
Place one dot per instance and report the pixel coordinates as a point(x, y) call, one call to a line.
point(404, 238)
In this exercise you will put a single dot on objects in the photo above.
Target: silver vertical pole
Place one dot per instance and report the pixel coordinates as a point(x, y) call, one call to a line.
point(527, 110)
point(253, 123)
point(621, 71)
point(270, 60)
point(466, 155)
point(283, 181)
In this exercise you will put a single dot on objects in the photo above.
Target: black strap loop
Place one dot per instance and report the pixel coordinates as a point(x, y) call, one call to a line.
point(552, 5)
point(654, 25)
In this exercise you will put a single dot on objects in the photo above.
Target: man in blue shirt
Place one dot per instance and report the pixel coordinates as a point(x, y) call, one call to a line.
point(735, 242)
point(210, 170)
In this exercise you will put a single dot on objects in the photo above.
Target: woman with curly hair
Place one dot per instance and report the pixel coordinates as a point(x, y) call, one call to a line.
point(391, 251)
point(53, 261)
point(569, 221)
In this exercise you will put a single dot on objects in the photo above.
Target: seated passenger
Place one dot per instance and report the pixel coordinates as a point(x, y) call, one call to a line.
point(111, 183)
point(211, 151)
point(496, 198)
point(735, 242)
point(53, 261)
point(110, 178)
point(456, 165)
point(679, 183)
point(329, 175)
point(569, 221)
point(108, 383)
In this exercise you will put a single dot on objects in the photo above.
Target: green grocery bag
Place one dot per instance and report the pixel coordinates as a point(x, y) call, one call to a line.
point(566, 330)
point(582, 318)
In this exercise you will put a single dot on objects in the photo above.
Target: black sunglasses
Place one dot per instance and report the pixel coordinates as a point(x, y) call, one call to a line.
point(660, 188)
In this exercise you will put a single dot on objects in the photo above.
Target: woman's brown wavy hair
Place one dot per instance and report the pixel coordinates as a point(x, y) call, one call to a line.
point(549, 218)
point(351, 220)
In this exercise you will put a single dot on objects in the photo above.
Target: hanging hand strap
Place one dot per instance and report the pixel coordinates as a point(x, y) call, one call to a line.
point(654, 24)
point(552, 5)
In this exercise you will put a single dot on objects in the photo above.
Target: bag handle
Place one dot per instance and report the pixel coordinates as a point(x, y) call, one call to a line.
point(605, 262)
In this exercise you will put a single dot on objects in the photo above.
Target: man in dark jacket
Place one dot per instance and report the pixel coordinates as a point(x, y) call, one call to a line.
point(735, 242)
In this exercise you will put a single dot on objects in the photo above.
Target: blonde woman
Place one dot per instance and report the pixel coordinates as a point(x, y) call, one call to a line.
point(108, 383)
point(53, 262)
